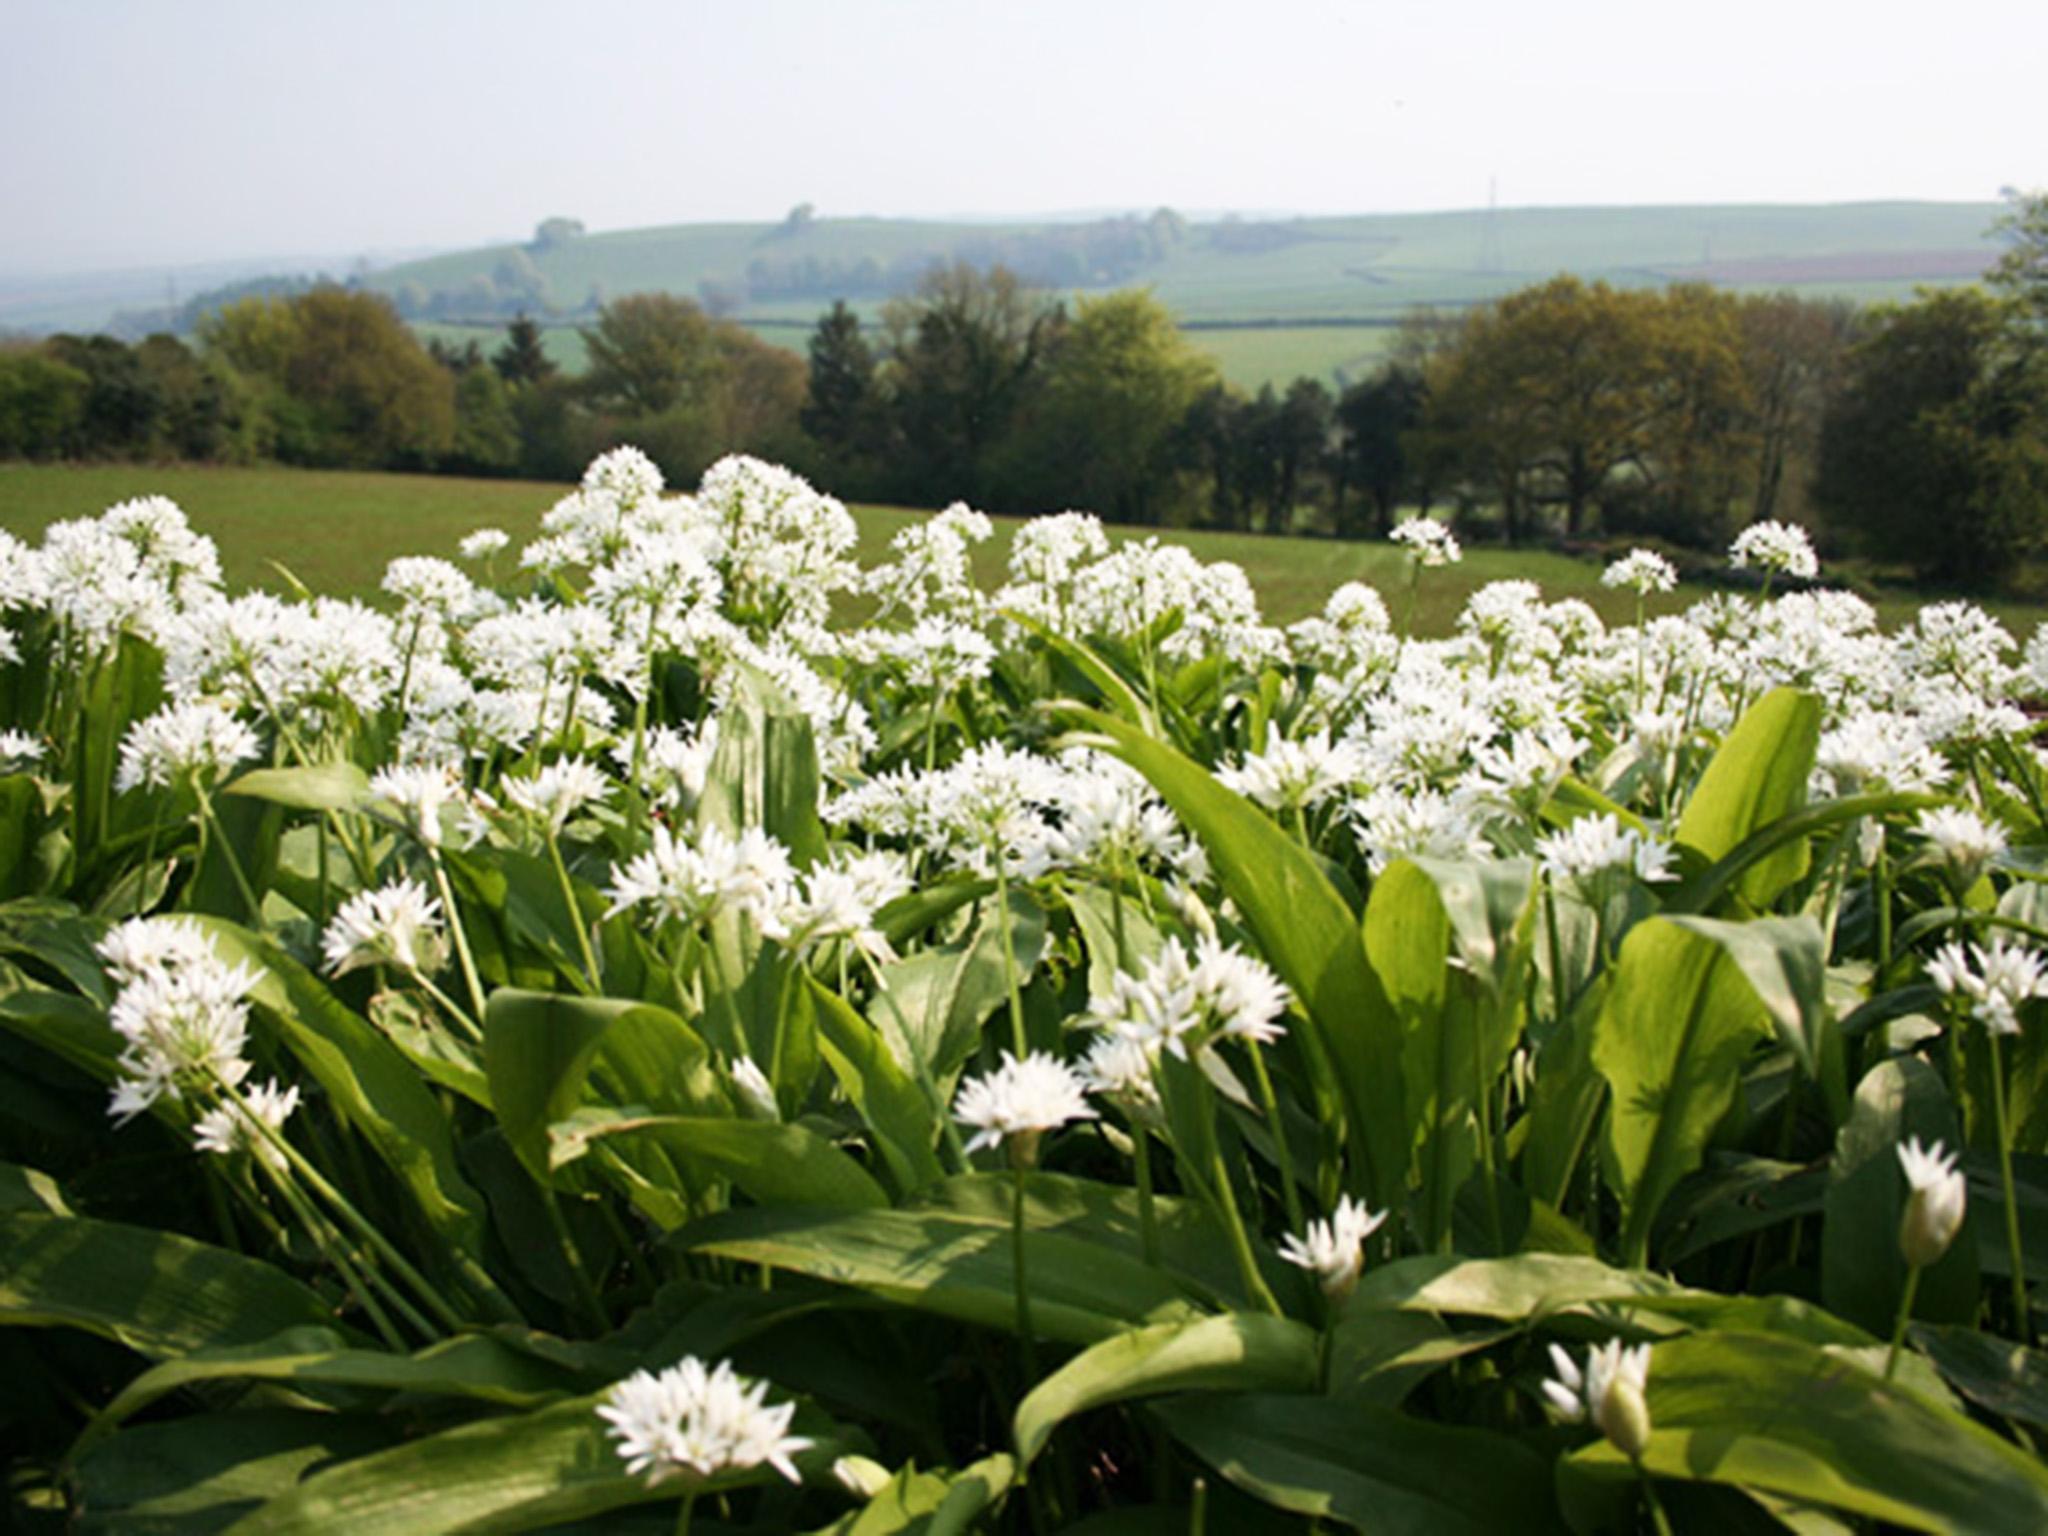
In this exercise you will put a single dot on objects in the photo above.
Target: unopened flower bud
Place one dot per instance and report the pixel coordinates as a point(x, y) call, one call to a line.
point(860, 1477)
point(1935, 1204)
point(757, 1097)
point(1623, 1416)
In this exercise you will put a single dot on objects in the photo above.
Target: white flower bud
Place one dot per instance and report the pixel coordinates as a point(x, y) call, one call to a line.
point(1935, 1204)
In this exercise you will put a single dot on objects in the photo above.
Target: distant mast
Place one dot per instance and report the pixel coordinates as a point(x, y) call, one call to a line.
point(1489, 229)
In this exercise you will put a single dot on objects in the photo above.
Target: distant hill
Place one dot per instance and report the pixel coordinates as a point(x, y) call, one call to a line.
point(1307, 270)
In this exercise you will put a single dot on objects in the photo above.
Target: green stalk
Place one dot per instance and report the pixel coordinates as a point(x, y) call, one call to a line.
point(586, 1291)
point(1009, 958)
point(1891, 1359)
point(1024, 1328)
point(448, 1004)
point(683, 1514)
point(469, 975)
point(363, 1226)
point(336, 1255)
point(1233, 1226)
point(2021, 1318)
point(638, 798)
point(227, 848)
point(1658, 1519)
point(590, 967)
point(1148, 1216)
point(1271, 1104)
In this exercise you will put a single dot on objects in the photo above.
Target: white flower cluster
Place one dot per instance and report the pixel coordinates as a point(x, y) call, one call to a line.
point(181, 743)
point(1780, 549)
point(1023, 1098)
point(180, 1012)
point(698, 1422)
point(1178, 1000)
point(1429, 543)
point(1995, 979)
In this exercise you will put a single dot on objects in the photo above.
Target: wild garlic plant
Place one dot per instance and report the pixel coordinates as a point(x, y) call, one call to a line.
point(1014, 1028)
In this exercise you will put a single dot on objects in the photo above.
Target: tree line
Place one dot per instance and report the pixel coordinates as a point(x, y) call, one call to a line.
point(1916, 434)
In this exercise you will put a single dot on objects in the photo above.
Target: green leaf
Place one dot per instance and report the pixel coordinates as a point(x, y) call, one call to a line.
point(1994, 1373)
point(935, 1003)
point(21, 817)
point(775, 1164)
point(764, 770)
point(1862, 1271)
point(1757, 775)
point(1080, 1292)
point(1785, 962)
point(1780, 1416)
point(1238, 1352)
point(895, 1108)
point(156, 1292)
point(1678, 1022)
point(1305, 932)
point(1457, 1032)
point(1373, 1468)
point(1703, 891)
point(474, 1368)
point(548, 1468)
point(320, 787)
point(542, 1050)
point(197, 1475)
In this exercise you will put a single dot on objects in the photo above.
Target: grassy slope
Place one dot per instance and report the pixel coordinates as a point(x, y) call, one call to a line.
point(1369, 265)
point(1375, 266)
point(336, 531)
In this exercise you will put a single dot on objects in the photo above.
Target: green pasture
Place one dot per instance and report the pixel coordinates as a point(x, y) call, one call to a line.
point(336, 530)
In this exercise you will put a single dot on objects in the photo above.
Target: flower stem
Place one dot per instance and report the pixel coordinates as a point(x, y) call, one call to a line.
point(1658, 1519)
point(227, 848)
point(1148, 1215)
point(2020, 1317)
point(1271, 1103)
point(1891, 1359)
point(469, 976)
point(683, 1514)
point(1009, 958)
point(590, 968)
point(1024, 1328)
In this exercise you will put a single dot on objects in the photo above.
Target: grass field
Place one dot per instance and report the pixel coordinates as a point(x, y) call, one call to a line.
point(335, 531)
point(1320, 268)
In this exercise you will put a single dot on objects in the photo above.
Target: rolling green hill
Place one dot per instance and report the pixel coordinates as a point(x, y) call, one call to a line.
point(1295, 275)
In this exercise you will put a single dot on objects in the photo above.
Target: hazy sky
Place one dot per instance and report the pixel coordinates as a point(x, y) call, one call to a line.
point(152, 131)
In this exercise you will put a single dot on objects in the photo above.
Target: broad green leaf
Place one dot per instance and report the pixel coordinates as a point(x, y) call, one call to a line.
point(935, 1003)
point(764, 770)
point(1703, 891)
point(915, 1503)
point(1994, 1373)
point(1192, 1244)
point(320, 787)
point(1305, 932)
point(1785, 962)
point(775, 1164)
point(21, 817)
point(1116, 693)
point(1238, 1352)
point(122, 689)
point(156, 1292)
point(196, 1475)
point(550, 1468)
point(1678, 1022)
point(1080, 1292)
point(370, 1082)
point(1863, 1273)
point(1784, 1417)
point(28, 1189)
point(57, 935)
point(1757, 775)
point(1456, 1031)
point(1374, 1469)
point(542, 1051)
point(897, 1110)
point(1524, 1288)
point(474, 1367)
